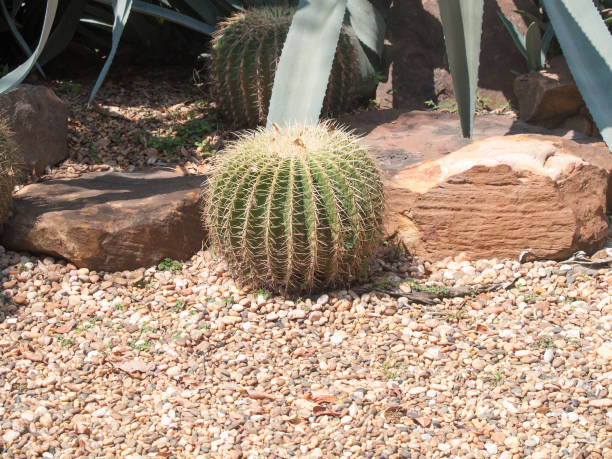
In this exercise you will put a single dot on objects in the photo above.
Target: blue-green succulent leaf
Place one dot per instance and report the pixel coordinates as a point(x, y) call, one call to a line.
point(462, 25)
point(518, 39)
point(121, 9)
point(533, 44)
point(368, 24)
point(13, 78)
point(20, 40)
point(64, 31)
point(303, 70)
point(587, 46)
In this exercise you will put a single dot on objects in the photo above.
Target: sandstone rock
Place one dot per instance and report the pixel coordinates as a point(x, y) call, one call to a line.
point(500, 196)
point(548, 94)
point(419, 66)
point(39, 119)
point(402, 138)
point(112, 221)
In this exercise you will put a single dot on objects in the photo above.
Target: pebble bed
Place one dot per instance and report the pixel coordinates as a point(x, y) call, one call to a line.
point(178, 361)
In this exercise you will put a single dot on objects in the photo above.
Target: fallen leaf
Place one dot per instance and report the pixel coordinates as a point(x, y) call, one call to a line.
point(424, 421)
point(64, 328)
point(321, 410)
point(394, 413)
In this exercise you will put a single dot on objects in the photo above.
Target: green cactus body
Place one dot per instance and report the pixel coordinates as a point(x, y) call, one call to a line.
point(295, 209)
point(7, 163)
point(245, 53)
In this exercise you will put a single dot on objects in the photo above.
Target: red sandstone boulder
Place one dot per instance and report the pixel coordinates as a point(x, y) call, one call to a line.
point(109, 221)
point(501, 196)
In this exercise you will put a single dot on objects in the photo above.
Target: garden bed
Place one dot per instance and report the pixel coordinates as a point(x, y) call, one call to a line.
point(176, 359)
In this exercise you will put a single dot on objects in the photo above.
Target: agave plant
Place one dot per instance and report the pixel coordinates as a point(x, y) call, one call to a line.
point(89, 17)
point(301, 78)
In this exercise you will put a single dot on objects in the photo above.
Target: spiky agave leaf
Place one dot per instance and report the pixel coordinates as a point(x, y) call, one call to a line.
point(297, 208)
point(244, 56)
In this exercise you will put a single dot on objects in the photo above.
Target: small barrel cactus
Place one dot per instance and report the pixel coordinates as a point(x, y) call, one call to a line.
point(296, 209)
point(244, 56)
point(7, 163)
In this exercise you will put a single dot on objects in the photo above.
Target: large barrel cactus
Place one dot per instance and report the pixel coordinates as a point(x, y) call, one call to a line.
point(245, 52)
point(7, 163)
point(296, 209)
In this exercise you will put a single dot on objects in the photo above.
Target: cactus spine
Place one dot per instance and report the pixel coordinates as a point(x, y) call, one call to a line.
point(244, 56)
point(7, 162)
point(295, 209)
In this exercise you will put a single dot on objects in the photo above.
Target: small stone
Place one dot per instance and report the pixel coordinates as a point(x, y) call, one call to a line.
point(417, 390)
point(336, 338)
point(479, 364)
point(557, 362)
point(491, 448)
point(605, 351)
point(601, 403)
point(173, 371)
point(100, 413)
point(10, 436)
point(433, 353)
point(549, 354)
point(46, 420)
point(19, 299)
point(511, 442)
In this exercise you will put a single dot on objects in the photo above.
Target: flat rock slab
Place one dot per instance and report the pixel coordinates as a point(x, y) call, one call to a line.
point(540, 196)
point(110, 221)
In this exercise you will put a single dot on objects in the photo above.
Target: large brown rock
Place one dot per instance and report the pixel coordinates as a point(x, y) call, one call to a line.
point(417, 55)
point(40, 122)
point(500, 196)
point(550, 98)
point(109, 221)
point(401, 138)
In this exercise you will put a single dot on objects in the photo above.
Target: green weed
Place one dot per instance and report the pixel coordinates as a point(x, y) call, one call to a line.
point(169, 265)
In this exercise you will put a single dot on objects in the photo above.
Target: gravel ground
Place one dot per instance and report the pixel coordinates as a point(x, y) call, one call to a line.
point(178, 361)
point(181, 361)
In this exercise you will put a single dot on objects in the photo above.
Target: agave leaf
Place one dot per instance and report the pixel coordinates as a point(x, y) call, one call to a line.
point(121, 10)
point(305, 63)
point(533, 18)
point(518, 39)
point(22, 43)
point(12, 79)
point(533, 44)
point(64, 31)
point(546, 40)
point(587, 46)
point(206, 10)
point(169, 15)
point(366, 68)
point(368, 24)
point(462, 25)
